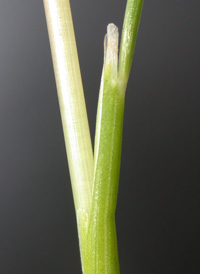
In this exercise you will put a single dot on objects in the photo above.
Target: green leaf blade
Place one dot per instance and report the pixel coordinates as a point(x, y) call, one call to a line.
point(128, 39)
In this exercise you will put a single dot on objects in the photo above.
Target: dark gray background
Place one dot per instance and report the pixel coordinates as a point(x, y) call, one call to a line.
point(158, 205)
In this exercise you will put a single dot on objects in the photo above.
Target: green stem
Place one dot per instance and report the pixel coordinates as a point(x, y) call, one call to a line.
point(94, 183)
point(102, 255)
point(128, 39)
point(101, 231)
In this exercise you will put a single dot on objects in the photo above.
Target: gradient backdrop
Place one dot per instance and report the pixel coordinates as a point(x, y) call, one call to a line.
point(158, 206)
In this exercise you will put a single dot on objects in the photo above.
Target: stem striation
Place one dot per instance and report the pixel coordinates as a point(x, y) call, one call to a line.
point(101, 239)
point(72, 107)
point(94, 182)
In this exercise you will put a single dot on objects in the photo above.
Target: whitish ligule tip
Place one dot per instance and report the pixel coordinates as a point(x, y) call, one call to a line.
point(111, 47)
point(112, 31)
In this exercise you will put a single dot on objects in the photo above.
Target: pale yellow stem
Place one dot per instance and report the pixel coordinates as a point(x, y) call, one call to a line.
point(72, 102)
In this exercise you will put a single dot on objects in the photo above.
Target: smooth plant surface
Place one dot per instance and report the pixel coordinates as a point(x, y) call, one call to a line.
point(94, 182)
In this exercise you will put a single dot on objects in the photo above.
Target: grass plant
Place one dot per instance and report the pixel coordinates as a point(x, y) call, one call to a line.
point(94, 178)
